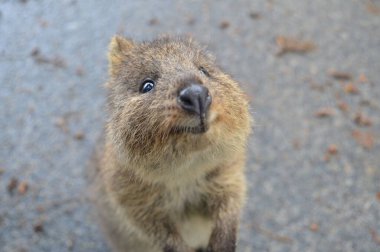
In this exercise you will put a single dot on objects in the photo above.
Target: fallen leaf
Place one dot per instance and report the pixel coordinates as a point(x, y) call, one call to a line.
point(12, 185)
point(38, 227)
point(56, 61)
point(43, 23)
point(343, 106)
point(324, 112)
point(224, 25)
point(79, 135)
point(40, 209)
point(59, 62)
point(191, 21)
point(350, 88)
point(296, 144)
point(154, 21)
point(23, 187)
point(79, 71)
point(254, 15)
point(362, 120)
point(375, 236)
point(316, 86)
point(340, 75)
point(332, 149)
point(293, 45)
point(366, 102)
point(35, 52)
point(314, 227)
point(61, 123)
point(378, 196)
point(365, 139)
point(373, 8)
point(363, 78)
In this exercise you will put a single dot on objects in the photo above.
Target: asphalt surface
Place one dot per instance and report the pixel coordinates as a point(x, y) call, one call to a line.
point(314, 175)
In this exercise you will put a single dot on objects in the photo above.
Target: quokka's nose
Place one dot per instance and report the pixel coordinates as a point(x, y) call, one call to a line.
point(195, 98)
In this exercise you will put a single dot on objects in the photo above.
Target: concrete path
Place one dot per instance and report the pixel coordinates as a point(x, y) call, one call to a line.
point(314, 159)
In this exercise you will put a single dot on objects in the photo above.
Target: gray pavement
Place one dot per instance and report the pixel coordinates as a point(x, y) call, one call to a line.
point(302, 197)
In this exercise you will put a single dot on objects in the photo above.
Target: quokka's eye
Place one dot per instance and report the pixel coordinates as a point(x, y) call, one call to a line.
point(204, 71)
point(147, 85)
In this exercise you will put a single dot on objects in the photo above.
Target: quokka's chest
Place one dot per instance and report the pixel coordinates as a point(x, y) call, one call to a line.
point(186, 197)
point(192, 217)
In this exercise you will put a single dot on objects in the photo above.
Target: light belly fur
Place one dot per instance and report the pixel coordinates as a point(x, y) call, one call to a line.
point(196, 230)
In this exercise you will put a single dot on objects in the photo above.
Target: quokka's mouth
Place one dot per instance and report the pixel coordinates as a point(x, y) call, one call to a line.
point(200, 129)
point(203, 126)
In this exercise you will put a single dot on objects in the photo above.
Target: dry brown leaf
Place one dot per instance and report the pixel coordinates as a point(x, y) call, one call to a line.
point(350, 88)
point(35, 52)
point(293, 45)
point(61, 122)
point(224, 25)
point(296, 144)
point(332, 149)
point(324, 112)
point(365, 139)
point(191, 20)
point(339, 75)
point(79, 71)
point(12, 185)
point(362, 120)
point(154, 21)
point(363, 78)
point(367, 103)
point(43, 23)
point(343, 106)
point(40, 209)
point(314, 227)
point(79, 135)
point(373, 8)
point(38, 227)
point(254, 15)
point(375, 236)
point(56, 61)
point(23, 187)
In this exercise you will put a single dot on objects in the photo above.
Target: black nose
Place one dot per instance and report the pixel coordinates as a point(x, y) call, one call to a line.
point(195, 98)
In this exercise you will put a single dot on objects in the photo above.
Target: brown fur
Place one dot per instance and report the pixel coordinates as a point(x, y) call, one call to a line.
point(155, 185)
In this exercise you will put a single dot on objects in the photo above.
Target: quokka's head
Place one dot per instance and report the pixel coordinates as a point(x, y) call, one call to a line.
point(168, 96)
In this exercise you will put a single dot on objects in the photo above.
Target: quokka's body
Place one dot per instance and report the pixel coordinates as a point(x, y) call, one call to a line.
point(169, 175)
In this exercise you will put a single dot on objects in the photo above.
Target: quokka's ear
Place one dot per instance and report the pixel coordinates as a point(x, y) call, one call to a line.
point(118, 49)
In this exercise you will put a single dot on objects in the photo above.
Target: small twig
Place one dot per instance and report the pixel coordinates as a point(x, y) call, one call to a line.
point(271, 235)
point(59, 203)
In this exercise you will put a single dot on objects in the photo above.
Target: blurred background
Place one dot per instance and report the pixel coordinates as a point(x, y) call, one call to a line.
point(311, 69)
